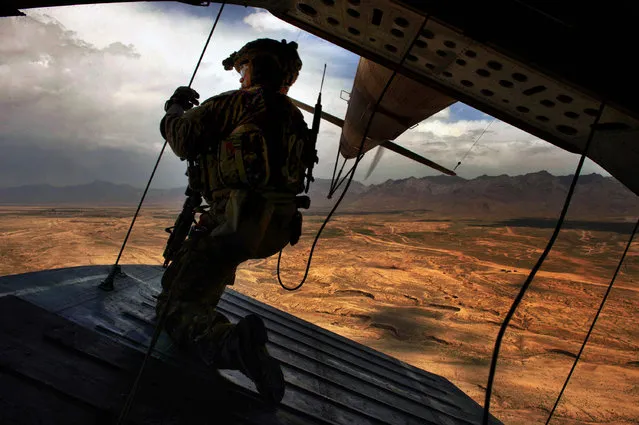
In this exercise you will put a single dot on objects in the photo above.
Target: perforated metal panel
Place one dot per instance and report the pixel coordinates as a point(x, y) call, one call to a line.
point(482, 76)
point(456, 61)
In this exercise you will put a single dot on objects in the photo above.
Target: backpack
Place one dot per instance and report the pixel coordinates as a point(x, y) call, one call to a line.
point(265, 152)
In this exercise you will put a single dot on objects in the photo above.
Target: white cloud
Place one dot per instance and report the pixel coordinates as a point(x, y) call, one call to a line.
point(442, 128)
point(96, 77)
point(444, 114)
point(263, 21)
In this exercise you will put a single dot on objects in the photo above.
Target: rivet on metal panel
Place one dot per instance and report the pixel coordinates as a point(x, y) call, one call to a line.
point(564, 98)
point(517, 76)
point(397, 33)
point(565, 129)
point(307, 10)
point(494, 65)
point(401, 22)
point(534, 90)
point(428, 34)
point(377, 17)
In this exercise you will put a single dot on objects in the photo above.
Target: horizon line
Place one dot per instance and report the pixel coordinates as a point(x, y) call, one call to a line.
point(317, 178)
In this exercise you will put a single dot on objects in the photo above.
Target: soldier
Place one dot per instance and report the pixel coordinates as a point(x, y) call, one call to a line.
point(248, 147)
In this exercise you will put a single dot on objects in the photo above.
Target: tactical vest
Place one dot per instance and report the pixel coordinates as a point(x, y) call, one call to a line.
point(265, 152)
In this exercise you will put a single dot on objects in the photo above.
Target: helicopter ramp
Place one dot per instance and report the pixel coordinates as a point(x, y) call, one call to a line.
point(69, 353)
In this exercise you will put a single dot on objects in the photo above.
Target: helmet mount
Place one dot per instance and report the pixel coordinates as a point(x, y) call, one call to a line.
point(271, 62)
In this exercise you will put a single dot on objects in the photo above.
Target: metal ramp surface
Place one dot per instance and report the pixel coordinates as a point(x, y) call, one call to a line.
point(70, 351)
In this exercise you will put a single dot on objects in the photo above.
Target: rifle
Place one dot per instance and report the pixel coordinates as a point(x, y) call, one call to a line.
point(310, 156)
point(182, 226)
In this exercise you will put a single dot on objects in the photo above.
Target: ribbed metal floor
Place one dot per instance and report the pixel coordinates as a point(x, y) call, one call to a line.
point(330, 379)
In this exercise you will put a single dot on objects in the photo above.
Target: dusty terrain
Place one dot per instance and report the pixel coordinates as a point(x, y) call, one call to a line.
point(429, 291)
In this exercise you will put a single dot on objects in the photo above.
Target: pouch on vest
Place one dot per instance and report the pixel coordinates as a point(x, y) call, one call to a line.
point(295, 169)
point(243, 158)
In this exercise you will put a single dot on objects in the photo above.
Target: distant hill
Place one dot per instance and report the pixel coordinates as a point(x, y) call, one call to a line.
point(535, 194)
point(97, 193)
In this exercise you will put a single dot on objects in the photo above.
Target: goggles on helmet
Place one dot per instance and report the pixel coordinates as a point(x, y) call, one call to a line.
point(285, 54)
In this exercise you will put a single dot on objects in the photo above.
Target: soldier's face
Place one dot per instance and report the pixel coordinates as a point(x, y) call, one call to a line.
point(245, 76)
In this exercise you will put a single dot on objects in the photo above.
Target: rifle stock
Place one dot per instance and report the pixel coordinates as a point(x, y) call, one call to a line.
point(180, 230)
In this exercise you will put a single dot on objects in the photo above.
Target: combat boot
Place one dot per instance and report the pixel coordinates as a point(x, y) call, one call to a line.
point(244, 349)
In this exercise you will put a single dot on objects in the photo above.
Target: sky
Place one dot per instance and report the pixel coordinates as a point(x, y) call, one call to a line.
point(82, 90)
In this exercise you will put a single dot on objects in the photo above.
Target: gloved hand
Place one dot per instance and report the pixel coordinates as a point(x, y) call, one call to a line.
point(185, 97)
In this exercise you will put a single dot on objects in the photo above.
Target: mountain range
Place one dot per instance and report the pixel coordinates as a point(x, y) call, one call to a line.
point(535, 194)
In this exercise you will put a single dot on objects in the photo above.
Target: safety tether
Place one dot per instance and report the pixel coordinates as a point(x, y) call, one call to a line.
point(594, 321)
point(537, 266)
point(162, 316)
point(107, 284)
point(473, 145)
point(351, 172)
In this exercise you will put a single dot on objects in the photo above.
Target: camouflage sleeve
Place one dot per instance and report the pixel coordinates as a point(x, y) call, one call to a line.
point(195, 129)
point(299, 122)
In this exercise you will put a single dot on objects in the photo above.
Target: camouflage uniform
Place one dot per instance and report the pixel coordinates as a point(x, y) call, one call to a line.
point(252, 212)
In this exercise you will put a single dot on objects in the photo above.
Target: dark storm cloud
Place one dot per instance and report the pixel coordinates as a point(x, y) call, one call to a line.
point(32, 164)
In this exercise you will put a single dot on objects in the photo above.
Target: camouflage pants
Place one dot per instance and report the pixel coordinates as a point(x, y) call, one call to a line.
point(239, 227)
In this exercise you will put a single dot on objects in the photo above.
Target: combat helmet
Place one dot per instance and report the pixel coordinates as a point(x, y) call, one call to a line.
point(268, 56)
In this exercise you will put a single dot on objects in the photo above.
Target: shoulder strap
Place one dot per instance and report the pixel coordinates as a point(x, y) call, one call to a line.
point(275, 118)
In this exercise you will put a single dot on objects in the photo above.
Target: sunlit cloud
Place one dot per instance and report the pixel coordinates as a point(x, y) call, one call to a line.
point(264, 21)
point(82, 88)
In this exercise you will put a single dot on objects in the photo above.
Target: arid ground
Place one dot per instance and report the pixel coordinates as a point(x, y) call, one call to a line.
point(430, 291)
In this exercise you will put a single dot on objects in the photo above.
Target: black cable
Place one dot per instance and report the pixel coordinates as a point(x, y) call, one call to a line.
point(199, 61)
point(343, 179)
point(330, 190)
point(352, 171)
point(348, 173)
point(124, 413)
point(533, 272)
point(107, 284)
point(592, 325)
point(163, 313)
point(473, 145)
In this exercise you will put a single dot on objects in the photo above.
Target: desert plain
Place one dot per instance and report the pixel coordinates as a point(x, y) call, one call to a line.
point(428, 290)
